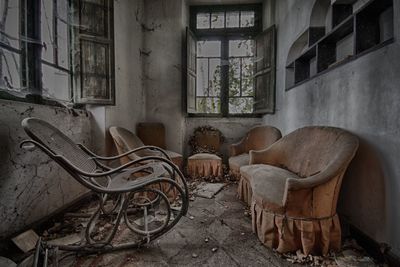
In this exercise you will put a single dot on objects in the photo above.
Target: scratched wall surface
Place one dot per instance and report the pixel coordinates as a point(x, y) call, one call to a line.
point(31, 185)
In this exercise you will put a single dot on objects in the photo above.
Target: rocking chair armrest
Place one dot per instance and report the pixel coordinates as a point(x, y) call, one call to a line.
point(115, 170)
point(42, 147)
point(95, 156)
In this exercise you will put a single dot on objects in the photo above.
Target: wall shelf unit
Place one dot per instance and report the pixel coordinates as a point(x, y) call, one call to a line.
point(353, 35)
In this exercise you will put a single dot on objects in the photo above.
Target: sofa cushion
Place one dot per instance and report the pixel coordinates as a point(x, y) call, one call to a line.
point(267, 183)
point(238, 161)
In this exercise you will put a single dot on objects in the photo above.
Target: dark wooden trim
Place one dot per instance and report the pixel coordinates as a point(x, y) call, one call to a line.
point(379, 251)
point(363, 22)
point(343, 62)
point(245, 31)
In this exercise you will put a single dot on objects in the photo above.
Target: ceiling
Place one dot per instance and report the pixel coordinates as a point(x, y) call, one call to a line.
point(221, 2)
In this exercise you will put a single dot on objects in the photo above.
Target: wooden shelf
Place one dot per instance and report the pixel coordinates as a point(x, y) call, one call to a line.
point(354, 33)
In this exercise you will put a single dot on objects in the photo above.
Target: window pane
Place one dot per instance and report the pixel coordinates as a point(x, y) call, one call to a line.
point(247, 77)
point(209, 49)
point(203, 21)
point(241, 105)
point(232, 19)
point(208, 105)
point(95, 69)
point(55, 83)
point(62, 34)
point(241, 48)
point(234, 77)
point(217, 20)
point(202, 77)
point(93, 18)
point(47, 30)
point(246, 19)
point(11, 25)
point(215, 77)
point(10, 70)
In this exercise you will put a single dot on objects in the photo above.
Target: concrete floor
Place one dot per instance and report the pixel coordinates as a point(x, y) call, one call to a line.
point(221, 220)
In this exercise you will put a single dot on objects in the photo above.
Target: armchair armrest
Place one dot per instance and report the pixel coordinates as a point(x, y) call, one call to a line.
point(331, 171)
point(265, 156)
point(238, 148)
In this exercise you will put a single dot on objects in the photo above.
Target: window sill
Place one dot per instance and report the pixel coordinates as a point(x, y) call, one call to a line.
point(35, 99)
point(220, 116)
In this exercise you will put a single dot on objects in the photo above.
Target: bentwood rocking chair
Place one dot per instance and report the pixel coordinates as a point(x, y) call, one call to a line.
point(132, 197)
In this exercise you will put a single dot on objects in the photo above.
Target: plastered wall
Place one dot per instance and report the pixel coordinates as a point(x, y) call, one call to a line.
point(31, 185)
point(361, 96)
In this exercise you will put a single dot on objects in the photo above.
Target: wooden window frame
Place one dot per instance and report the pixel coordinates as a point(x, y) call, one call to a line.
point(224, 35)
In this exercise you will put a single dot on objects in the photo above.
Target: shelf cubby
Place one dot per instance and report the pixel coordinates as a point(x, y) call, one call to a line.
point(353, 34)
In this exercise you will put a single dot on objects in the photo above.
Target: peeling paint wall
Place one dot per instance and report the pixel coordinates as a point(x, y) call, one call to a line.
point(361, 96)
point(166, 21)
point(31, 185)
point(163, 33)
point(128, 38)
point(130, 97)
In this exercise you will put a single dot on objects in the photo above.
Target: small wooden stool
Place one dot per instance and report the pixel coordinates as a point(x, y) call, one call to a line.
point(204, 165)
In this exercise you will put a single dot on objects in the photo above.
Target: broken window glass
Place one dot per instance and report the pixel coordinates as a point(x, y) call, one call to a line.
point(203, 21)
point(217, 20)
point(246, 19)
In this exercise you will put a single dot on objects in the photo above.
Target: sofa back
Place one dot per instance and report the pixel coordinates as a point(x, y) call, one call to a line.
point(310, 150)
point(261, 137)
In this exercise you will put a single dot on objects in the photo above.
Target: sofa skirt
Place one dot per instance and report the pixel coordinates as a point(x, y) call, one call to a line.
point(245, 192)
point(288, 234)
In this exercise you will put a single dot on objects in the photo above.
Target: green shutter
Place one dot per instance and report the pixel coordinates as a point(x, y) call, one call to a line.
point(93, 57)
point(264, 101)
point(191, 42)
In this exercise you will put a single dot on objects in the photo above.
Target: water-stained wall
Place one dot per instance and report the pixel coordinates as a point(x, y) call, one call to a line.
point(32, 186)
point(361, 96)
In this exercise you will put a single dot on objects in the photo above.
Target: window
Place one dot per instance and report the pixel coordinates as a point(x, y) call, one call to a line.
point(224, 44)
point(60, 50)
point(93, 60)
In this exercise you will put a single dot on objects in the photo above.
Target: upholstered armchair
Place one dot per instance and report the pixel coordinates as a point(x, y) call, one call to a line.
point(125, 140)
point(295, 186)
point(259, 137)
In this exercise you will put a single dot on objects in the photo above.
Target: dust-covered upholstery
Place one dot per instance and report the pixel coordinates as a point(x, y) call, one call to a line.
point(295, 185)
point(125, 140)
point(259, 137)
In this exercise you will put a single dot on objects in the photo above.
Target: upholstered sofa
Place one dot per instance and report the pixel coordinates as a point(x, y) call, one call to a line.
point(295, 185)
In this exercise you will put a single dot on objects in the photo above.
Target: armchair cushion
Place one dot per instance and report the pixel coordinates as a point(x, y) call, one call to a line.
point(238, 161)
point(269, 183)
point(259, 137)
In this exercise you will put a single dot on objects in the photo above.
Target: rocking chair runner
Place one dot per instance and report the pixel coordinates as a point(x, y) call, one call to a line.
point(133, 195)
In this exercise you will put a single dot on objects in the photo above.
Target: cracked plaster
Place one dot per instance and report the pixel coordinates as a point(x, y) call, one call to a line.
point(31, 185)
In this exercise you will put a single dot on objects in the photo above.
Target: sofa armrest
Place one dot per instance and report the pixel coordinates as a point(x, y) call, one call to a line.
point(238, 148)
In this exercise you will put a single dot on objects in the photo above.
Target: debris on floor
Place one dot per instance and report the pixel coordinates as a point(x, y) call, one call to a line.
point(352, 255)
point(26, 241)
point(7, 262)
point(208, 190)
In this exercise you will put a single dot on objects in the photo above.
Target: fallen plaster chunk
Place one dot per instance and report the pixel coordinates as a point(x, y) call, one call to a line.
point(208, 190)
point(26, 241)
point(66, 240)
point(7, 262)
